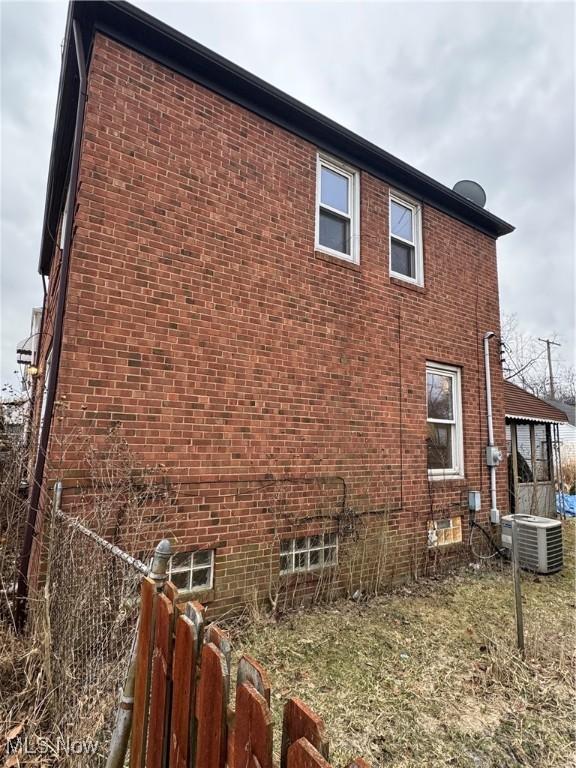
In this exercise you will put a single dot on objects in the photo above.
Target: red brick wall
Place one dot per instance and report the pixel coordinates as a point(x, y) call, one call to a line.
point(202, 327)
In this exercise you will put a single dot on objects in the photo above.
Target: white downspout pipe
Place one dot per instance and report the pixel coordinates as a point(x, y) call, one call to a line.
point(491, 452)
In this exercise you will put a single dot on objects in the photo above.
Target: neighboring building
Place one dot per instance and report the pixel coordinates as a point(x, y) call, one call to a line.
point(567, 430)
point(531, 440)
point(283, 320)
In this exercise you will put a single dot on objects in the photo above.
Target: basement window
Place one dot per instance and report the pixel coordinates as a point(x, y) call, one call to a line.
point(443, 532)
point(308, 553)
point(337, 210)
point(192, 571)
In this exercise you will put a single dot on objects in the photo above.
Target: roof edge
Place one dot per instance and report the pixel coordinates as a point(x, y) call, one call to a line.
point(155, 39)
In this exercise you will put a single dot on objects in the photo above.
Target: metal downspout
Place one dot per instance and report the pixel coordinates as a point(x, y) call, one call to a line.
point(494, 512)
point(34, 503)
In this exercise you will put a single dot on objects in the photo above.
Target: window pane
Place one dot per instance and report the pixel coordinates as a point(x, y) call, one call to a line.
point(334, 190)
point(440, 396)
point(203, 557)
point(315, 541)
point(301, 543)
point(285, 563)
point(180, 560)
point(524, 453)
point(401, 221)
point(330, 538)
point(334, 232)
point(201, 577)
point(300, 560)
point(286, 545)
point(314, 557)
point(541, 445)
point(330, 555)
point(181, 579)
point(439, 446)
point(403, 259)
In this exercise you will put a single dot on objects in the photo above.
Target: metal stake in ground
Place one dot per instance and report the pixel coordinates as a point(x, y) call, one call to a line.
point(517, 588)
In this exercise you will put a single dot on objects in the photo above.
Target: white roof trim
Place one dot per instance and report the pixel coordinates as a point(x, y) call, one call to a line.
point(532, 418)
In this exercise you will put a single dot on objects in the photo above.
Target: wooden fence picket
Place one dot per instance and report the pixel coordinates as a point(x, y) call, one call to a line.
point(157, 747)
point(144, 649)
point(251, 671)
point(252, 729)
point(215, 634)
point(182, 715)
point(302, 754)
point(184, 690)
point(211, 709)
point(299, 721)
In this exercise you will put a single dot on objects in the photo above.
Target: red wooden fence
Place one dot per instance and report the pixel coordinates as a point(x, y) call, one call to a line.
point(182, 715)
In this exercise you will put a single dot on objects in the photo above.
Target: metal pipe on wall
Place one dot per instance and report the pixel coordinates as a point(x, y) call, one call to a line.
point(494, 512)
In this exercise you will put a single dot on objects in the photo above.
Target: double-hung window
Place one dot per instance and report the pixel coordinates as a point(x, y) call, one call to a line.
point(406, 260)
point(445, 451)
point(337, 210)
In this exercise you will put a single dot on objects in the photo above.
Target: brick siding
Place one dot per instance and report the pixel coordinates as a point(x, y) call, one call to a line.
point(203, 328)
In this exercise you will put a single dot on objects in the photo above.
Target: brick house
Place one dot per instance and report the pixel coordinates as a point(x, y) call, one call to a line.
point(280, 318)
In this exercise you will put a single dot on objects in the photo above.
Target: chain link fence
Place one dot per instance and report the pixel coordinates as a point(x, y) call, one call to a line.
point(84, 618)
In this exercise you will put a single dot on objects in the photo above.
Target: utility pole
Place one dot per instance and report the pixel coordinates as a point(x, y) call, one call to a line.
point(549, 343)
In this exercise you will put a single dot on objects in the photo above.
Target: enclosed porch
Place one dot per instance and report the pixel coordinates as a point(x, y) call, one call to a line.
point(532, 445)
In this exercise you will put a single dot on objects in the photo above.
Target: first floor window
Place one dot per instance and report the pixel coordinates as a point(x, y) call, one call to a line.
point(445, 452)
point(405, 240)
point(443, 532)
point(337, 209)
point(308, 552)
point(190, 571)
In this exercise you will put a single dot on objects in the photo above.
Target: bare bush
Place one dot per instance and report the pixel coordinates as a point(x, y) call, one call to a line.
point(61, 680)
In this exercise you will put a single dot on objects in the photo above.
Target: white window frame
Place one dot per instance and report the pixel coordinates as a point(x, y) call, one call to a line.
point(353, 207)
point(292, 550)
point(417, 243)
point(190, 569)
point(457, 469)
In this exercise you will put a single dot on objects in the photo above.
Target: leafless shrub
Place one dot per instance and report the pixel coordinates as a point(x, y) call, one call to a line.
point(569, 475)
point(61, 680)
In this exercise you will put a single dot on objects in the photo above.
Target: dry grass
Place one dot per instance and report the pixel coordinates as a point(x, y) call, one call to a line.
point(429, 675)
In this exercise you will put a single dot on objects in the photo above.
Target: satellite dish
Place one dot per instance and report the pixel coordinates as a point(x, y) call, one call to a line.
point(472, 191)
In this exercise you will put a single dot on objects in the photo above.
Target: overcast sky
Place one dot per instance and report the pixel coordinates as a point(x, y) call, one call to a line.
point(483, 91)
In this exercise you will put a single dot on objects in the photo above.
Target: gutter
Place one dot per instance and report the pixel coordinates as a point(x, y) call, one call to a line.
point(22, 588)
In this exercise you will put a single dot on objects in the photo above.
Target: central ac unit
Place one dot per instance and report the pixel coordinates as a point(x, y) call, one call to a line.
point(539, 542)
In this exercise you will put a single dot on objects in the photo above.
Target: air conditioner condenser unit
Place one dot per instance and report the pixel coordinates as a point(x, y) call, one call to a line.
point(539, 542)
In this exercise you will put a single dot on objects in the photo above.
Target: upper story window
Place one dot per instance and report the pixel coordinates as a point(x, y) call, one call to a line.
point(406, 260)
point(445, 449)
point(337, 210)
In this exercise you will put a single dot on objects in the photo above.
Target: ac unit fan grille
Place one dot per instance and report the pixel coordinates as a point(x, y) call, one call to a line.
point(554, 548)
